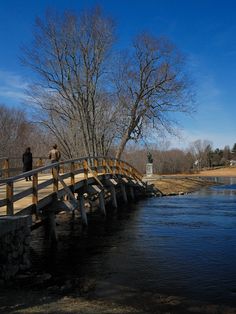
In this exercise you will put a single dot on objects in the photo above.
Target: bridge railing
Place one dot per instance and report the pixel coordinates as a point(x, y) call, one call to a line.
point(45, 181)
point(10, 167)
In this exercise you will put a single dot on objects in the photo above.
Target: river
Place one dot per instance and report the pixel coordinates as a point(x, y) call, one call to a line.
point(179, 245)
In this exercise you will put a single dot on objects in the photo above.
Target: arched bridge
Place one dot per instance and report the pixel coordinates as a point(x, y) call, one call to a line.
point(65, 186)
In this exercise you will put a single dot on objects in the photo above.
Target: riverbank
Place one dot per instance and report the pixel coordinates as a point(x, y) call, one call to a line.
point(188, 183)
point(179, 186)
point(129, 302)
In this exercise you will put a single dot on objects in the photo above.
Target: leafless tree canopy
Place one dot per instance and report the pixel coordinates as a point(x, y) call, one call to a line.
point(94, 99)
point(70, 56)
point(151, 84)
point(17, 133)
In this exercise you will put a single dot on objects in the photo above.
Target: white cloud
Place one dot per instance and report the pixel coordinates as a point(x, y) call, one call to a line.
point(12, 88)
point(11, 94)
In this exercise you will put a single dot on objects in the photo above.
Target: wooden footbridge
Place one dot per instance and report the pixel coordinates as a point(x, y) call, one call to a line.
point(66, 185)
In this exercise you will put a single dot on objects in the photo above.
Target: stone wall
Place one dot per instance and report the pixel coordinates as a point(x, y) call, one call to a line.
point(14, 245)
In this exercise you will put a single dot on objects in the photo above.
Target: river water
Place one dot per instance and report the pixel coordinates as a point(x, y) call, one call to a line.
point(179, 245)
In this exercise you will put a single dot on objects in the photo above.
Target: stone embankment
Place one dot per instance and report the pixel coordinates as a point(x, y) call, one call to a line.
point(14, 245)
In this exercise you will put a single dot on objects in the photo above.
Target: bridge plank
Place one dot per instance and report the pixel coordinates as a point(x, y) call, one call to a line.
point(22, 194)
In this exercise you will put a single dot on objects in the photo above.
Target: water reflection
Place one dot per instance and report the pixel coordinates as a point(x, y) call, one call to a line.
point(223, 180)
point(227, 185)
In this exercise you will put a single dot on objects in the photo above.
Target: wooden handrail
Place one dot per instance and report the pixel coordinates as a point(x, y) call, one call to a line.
point(7, 159)
point(88, 166)
point(124, 167)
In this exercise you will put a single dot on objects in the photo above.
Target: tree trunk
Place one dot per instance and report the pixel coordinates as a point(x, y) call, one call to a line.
point(122, 145)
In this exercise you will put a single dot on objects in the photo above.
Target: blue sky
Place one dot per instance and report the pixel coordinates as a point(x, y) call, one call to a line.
point(204, 30)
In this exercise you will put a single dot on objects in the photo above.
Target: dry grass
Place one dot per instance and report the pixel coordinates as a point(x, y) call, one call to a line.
point(175, 186)
point(221, 172)
point(186, 183)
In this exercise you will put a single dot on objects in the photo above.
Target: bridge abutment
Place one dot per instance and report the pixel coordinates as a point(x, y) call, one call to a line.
point(14, 245)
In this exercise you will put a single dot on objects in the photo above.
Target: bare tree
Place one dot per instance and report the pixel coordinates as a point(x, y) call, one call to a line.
point(165, 161)
point(150, 84)
point(70, 56)
point(227, 154)
point(17, 133)
point(87, 111)
point(14, 130)
point(201, 149)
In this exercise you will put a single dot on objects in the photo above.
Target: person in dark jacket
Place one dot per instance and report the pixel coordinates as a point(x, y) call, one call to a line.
point(27, 162)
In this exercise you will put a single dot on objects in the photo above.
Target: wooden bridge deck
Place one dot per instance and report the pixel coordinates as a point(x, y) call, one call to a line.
point(22, 185)
point(18, 196)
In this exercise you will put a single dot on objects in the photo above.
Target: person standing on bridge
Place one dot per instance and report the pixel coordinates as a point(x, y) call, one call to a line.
point(27, 160)
point(54, 154)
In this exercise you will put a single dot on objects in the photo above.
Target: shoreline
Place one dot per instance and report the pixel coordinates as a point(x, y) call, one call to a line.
point(180, 184)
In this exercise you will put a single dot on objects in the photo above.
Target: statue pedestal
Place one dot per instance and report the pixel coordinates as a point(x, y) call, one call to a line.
point(149, 169)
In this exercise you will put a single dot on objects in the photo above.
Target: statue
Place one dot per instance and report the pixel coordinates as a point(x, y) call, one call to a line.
point(149, 165)
point(149, 157)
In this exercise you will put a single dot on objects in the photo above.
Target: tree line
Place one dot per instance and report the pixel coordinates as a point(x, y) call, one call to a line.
point(17, 131)
point(199, 155)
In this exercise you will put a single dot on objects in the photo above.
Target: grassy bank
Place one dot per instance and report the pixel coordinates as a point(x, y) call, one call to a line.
point(187, 183)
point(181, 185)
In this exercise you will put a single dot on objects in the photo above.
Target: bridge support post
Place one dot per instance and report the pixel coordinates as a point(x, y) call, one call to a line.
point(35, 194)
point(55, 179)
point(102, 203)
point(10, 206)
point(52, 235)
point(6, 168)
point(82, 210)
point(123, 190)
point(113, 196)
point(131, 192)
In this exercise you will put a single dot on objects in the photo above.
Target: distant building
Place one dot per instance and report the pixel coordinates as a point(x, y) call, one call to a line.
point(232, 163)
point(196, 162)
